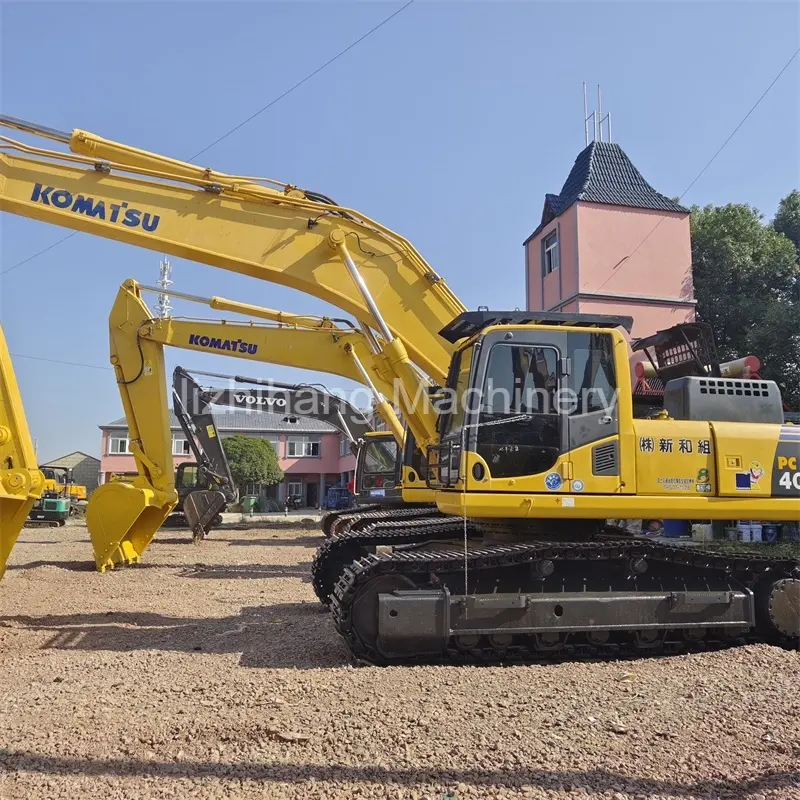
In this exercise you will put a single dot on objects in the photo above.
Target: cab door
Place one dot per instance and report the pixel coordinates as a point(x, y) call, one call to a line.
point(592, 410)
point(520, 433)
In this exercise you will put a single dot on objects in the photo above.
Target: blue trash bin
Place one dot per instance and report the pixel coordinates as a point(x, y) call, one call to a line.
point(675, 528)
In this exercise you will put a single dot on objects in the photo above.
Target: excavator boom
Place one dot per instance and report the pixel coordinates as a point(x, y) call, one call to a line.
point(21, 483)
point(123, 518)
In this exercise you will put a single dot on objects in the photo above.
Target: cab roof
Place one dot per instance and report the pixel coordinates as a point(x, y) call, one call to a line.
point(470, 323)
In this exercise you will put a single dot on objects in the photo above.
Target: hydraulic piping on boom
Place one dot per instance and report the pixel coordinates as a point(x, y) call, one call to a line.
point(520, 564)
point(21, 482)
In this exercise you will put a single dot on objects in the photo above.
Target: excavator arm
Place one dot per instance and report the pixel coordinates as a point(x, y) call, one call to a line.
point(193, 406)
point(256, 227)
point(21, 482)
point(291, 399)
point(123, 517)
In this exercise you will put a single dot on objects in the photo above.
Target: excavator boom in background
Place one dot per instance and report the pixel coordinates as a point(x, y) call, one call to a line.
point(519, 563)
point(21, 482)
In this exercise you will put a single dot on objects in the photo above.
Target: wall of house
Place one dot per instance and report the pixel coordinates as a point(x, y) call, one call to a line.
point(321, 471)
point(546, 292)
point(85, 469)
point(634, 251)
point(647, 319)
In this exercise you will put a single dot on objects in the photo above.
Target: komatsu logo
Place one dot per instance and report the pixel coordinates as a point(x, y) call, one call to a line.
point(259, 400)
point(232, 345)
point(89, 207)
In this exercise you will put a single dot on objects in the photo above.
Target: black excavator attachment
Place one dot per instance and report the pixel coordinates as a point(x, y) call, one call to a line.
point(202, 509)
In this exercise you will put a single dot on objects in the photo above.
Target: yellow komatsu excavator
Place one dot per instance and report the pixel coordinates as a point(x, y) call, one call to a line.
point(21, 482)
point(528, 431)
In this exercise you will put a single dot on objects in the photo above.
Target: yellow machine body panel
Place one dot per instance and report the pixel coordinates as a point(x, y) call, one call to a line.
point(758, 460)
point(683, 470)
point(74, 491)
point(21, 482)
point(674, 458)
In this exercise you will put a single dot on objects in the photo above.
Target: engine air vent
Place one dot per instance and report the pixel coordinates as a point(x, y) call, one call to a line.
point(604, 459)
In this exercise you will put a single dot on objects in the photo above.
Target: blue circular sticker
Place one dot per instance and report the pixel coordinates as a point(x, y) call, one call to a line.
point(577, 485)
point(553, 481)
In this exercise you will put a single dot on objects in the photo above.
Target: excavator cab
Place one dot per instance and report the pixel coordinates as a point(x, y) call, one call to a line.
point(522, 395)
point(378, 470)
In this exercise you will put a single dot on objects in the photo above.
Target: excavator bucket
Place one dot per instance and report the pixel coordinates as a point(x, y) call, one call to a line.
point(123, 519)
point(201, 508)
point(21, 483)
point(14, 510)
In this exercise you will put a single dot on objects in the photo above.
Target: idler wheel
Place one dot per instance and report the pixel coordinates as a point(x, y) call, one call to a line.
point(783, 606)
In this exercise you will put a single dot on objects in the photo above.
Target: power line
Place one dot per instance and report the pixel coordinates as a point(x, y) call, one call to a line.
point(251, 117)
point(710, 162)
point(57, 361)
point(41, 252)
point(304, 80)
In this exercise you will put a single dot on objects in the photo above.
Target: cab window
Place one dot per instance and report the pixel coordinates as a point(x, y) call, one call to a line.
point(519, 400)
point(380, 456)
point(593, 379)
point(458, 397)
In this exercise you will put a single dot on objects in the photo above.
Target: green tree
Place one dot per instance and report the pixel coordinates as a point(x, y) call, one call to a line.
point(787, 220)
point(252, 460)
point(745, 274)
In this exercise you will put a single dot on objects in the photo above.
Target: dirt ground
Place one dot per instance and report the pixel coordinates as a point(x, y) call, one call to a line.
point(210, 671)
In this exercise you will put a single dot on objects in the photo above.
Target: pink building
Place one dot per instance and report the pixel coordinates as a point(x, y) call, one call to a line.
point(313, 455)
point(609, 243)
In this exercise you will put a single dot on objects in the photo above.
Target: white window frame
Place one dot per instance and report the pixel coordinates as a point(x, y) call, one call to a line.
point(276, 446)
point(306, 447)
point(124, 452)
point(551, 252)
point(294, 487)
point(180, 447)
point(344, 446)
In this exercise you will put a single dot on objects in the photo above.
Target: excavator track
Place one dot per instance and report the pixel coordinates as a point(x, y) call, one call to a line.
point(332, 517)
point(399, 526)
point(357, 519)
point(689, 598)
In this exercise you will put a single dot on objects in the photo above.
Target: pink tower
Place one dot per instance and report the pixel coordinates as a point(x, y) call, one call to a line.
point(609, 243)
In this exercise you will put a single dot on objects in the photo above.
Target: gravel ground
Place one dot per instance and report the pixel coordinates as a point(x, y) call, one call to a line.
point(210, 671)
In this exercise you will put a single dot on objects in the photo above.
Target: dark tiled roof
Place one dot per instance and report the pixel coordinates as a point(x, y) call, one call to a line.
point(237, 421)
point(603, 173)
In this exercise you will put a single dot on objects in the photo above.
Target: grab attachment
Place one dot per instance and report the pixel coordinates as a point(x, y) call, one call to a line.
point(123, 519)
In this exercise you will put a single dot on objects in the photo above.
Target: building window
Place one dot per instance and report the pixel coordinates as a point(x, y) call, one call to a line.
point(344, 446)
point(118, 446)
point(294, 488)
point(180, 447)
point(550, 253)
point(276, 446)
point(301, 447)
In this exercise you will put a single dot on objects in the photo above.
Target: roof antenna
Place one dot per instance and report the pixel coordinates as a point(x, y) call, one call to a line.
point(596, 118)
point(586, 117)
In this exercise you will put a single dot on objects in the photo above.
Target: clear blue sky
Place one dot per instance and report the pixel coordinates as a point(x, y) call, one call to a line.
point(449, 124)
